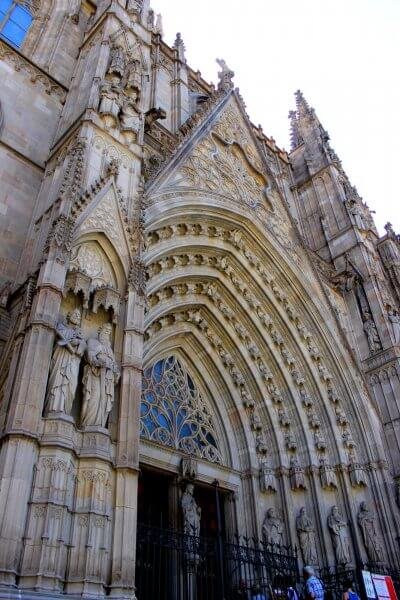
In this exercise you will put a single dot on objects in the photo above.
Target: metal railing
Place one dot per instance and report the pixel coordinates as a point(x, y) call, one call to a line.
point(173, 566)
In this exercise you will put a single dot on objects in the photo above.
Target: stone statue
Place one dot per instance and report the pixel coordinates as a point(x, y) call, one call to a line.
point(338, 530)
point(366, 521)
point(371, 332)
point(130, 118)
point(117, 62)
point(100, 375)
point(394, 318)
point(191, 512)
point(64, 367)
point(225, 76)
point(306, 533)
point(272, 527)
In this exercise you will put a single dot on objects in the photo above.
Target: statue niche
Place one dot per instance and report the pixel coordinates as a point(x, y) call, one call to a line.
point(64, 367)
point(100, 375)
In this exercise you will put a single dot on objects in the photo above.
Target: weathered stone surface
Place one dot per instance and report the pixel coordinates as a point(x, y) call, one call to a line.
point(244, 290)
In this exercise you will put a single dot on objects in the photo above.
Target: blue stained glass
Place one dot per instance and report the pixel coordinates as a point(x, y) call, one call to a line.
point(173, 412)
point(14, 23)
point(4, 7)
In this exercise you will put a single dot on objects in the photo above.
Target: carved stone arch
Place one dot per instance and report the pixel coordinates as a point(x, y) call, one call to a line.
point(103, 264)
point(250, 366)
point(209, 394)
point(104, 214)
point(184, 338)
point(204, 271)
point(295, 283)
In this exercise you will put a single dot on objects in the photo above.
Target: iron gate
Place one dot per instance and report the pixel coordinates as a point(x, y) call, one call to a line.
point(173, 566)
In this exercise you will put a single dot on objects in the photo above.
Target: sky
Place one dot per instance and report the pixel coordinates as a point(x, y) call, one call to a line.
point(343, 54)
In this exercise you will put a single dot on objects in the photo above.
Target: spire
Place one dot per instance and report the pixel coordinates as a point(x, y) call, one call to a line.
point(302, 106)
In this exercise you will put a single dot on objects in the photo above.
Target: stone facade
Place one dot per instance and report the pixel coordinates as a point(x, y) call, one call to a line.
point(148, 226)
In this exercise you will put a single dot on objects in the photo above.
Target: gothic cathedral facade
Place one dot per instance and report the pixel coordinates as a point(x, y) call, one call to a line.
point(200, 332)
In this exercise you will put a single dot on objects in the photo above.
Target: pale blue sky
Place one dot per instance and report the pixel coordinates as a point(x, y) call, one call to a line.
point(343, 54)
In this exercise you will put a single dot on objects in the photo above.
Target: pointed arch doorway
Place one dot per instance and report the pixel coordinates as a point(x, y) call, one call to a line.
point(180, 447)
point(184, 444)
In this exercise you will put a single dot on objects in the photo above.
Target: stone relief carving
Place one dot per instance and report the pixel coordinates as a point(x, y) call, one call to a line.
point(101, 374)
point(339, 533)
point(371, 332)
point(267, 477)
point(272, 528)
point(296, 475)
point(306, 533)
point(191, 512)
point(64, 367)
point(367, 522)
point(394, 319)
point(223, 264)
point(120, 92)
point(327, 475)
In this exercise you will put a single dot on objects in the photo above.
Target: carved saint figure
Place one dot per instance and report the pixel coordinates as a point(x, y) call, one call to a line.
point(306, 533)
point(64, 366)
point(117, 62)
point(272, 527)
point(191, 512)
point(371, 332)
point(394, 318)
point(130, 118)
point(366, 522)
point(100, 375)
point(338, 530)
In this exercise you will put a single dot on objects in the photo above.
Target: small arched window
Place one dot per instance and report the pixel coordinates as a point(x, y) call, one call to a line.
point(15, 20)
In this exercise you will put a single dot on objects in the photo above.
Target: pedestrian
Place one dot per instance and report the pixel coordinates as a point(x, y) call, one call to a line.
point(314, 586)
point(257, 593)
point(291, 592)
point(349, 593)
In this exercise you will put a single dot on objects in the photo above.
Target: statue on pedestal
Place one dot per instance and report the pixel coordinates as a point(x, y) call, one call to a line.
point(272, 527)
point(306, 533)
point(64, 367)
point(366, 521)
point(339, 534)
point(100, 375)
point(191, 512)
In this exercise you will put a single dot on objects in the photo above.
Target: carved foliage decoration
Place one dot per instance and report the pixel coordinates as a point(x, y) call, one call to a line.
point(174, 414)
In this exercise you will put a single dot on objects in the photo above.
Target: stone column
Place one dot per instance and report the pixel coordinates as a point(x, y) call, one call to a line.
point(127, 456)
point(20, 449)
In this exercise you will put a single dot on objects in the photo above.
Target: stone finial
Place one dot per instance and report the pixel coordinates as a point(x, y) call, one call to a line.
point(225, 76)
point(390, 231)
point(180, 47)
point(302, 106)
point(158, 29)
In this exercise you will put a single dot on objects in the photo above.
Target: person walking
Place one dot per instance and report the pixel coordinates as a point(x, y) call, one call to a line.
point(349, 593)
point(314, 586)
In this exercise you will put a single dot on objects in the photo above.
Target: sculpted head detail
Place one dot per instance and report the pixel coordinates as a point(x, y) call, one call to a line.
point(105, 332)
point(190, 489)
point(74, 317)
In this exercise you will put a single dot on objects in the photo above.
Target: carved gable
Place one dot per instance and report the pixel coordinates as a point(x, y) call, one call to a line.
point(227, 162)
point(105, 215)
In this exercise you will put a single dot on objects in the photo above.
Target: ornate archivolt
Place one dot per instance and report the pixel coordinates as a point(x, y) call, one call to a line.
point(298, 370)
